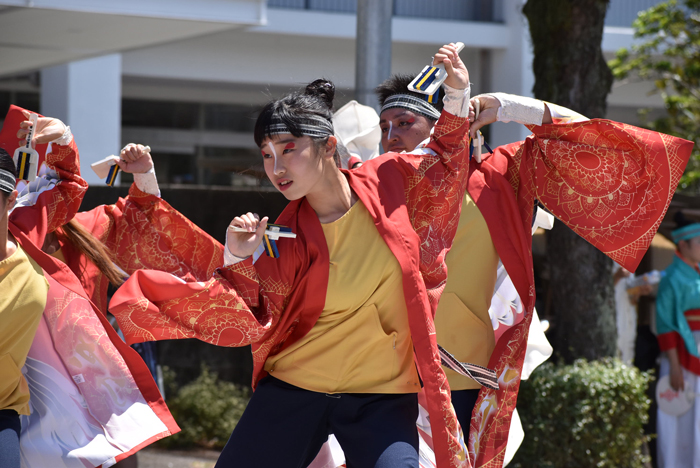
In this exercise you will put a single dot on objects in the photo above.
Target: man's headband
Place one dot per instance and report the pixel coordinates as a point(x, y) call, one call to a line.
point(7, 181)
point(686, 232)
point(311, 125)
point(412, 103)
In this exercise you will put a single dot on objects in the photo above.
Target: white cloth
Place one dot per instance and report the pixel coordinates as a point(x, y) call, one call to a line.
point(147, 182)
point(456, 101)
point(678, 440)
point(64, 139)
point(520, 109)
point(626, 313)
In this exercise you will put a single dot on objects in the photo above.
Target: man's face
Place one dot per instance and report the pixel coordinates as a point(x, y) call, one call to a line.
point(403, 130)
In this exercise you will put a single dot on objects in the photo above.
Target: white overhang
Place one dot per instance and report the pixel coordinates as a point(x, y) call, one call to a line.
point(40, 33)
point(483, 35)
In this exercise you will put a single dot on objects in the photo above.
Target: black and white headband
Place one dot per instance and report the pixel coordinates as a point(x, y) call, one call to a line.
point(412, 103)
point(7, 181)
point(313, 126)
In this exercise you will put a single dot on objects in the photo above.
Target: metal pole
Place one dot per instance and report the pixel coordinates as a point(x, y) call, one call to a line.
point(373, 44)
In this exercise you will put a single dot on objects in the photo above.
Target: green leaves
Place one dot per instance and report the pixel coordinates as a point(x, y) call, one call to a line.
point(585, 414)
point(206, 409)
point(670, 57)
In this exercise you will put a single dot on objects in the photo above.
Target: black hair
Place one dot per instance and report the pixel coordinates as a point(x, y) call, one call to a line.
point(315, 101)
point(6, 163)
point(681, 220)
point(295, 108)
point(398, 84)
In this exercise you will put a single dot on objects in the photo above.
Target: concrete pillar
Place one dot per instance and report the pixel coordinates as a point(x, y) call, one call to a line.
point(373, 48)
point(87, 96)
point(511, 70)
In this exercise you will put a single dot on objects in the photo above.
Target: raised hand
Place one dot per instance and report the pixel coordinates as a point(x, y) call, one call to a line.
point(488, 112)
point(457, 74)
point(47, 130)
point(243, 244)
point(135, 159)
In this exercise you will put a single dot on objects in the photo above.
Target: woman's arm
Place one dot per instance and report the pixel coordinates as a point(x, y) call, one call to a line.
point(145, 232)
point(53, 198)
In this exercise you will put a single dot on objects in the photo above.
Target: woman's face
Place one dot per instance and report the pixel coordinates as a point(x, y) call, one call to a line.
point(292, 164)
point(7, 202)
point(690, 249)
point(403, 130)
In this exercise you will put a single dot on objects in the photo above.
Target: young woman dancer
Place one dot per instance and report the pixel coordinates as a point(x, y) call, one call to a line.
point(340, 320)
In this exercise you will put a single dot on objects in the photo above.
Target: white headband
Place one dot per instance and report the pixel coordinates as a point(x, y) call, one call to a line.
point(7, 181)
point(313, 126)
point(412, 103)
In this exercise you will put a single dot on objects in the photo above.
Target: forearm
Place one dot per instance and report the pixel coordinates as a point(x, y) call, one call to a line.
point(530, 111)
point(672, 355)
point(147, 182)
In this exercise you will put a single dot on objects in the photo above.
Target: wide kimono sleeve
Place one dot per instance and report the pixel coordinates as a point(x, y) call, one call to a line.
point(610, 182)
point(436, 183)
point(143, 231)
point(53, 198)
point(240, 305)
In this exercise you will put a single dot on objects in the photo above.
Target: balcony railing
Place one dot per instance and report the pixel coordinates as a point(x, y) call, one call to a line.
point(456, 10)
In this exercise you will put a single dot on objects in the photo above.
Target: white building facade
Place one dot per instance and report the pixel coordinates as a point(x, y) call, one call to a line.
point(187, 77)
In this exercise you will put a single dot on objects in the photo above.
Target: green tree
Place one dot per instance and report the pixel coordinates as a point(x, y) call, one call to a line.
point(570, 70)
point(669, 56)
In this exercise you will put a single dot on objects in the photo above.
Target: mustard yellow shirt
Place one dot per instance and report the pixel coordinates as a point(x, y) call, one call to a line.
point(462, 322)
point(23, 290)
point(361, 343)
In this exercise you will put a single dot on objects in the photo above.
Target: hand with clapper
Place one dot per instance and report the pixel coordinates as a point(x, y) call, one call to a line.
point(246, 232)
point(34, 131)
point(133, 158)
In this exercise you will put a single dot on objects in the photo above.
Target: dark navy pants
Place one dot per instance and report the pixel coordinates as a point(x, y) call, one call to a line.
point(463, 402)
point(9, 439)
point(285, 426)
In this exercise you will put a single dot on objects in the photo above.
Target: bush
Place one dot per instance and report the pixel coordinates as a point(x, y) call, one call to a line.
point(589, 414)
point(206, 409)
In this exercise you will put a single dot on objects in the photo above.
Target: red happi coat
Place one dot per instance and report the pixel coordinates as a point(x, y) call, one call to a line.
point(143, 231)
point(610, 182)
point(414, 200)
point(90, 382)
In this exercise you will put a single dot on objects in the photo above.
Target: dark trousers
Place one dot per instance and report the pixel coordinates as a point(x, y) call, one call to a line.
point(463, 402)
point(9, 439)
point(285, 426)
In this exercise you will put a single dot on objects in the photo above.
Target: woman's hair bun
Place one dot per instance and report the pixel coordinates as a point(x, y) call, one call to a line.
point(323, 90)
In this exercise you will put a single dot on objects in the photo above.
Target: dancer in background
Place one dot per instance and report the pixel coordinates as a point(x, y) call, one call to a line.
point(95, 402)
point(678, 327)
point(484, 318)
point(106, 244)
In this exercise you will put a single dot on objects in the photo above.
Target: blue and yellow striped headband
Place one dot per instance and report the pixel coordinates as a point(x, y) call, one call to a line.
point(8, 181)
point(686, 232)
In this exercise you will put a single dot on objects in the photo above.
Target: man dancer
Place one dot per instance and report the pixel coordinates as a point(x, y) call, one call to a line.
point(494, 225)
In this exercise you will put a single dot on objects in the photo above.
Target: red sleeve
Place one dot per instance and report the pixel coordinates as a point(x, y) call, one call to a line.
point(436, 185)
point(611, 183)
point(145, 232)
point(58, 199)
